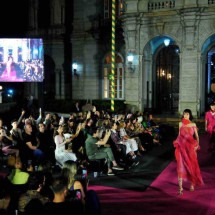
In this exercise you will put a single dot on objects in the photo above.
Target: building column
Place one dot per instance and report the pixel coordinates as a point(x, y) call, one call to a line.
point(57, 84)
point(62, 86)
point(189, 97)
point(188, 90)
point(33, 11)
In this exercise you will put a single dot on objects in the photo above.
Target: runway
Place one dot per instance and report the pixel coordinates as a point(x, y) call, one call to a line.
point(133, 193)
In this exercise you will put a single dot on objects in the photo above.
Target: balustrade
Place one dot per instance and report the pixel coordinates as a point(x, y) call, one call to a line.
point(211, 2)
point(161, 5)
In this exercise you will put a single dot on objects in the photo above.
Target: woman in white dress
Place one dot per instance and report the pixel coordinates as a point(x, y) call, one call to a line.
point(61, 153)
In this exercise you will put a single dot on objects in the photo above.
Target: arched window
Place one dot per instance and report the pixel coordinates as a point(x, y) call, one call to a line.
point(118, 78)
point(108, 5)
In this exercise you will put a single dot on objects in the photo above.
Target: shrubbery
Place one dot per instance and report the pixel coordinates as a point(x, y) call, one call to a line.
point(67, 106)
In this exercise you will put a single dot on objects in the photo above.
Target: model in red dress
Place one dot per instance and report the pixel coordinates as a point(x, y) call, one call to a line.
point(186, 146)
point(210, 126)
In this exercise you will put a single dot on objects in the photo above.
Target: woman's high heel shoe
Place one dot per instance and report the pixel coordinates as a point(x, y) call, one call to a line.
point(180, 191)
point(192, 188)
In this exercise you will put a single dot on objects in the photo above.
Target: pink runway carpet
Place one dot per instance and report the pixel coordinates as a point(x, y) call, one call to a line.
point(161, 196)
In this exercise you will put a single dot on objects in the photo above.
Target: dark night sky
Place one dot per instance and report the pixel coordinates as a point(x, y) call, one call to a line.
point(13, 24)
point(13, 18)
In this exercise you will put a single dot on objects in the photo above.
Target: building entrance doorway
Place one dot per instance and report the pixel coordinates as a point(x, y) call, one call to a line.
point(210, 77)
point(167, 79)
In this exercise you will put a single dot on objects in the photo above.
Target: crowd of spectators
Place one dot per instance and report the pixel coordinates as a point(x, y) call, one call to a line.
point(47, 155)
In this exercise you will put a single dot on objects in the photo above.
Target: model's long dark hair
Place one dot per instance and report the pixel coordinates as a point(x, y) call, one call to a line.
point(190, 113)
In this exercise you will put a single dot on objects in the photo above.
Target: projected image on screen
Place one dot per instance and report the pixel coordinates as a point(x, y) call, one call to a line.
point(21, 60)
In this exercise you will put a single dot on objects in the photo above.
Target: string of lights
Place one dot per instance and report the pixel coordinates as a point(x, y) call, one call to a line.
point(113, 54)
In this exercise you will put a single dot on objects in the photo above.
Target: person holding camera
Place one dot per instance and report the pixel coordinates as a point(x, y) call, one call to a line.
point(6, 141)
point(78, 188)
point(59, 204)
point(94, 149)
point(62, 151)
point(122, 146)
point(75, 186)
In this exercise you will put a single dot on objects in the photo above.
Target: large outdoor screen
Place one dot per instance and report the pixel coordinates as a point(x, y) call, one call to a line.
point(21, 60)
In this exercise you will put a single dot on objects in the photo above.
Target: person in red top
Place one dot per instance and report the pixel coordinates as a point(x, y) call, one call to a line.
point(210, 126)
point(186, 146)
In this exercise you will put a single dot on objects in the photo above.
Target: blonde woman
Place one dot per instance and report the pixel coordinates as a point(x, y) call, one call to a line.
point(69, 171)
point(89, 198)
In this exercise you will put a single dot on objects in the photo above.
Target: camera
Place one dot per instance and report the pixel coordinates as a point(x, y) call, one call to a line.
point(84, 173)
point(78, 194)
point(74, 195)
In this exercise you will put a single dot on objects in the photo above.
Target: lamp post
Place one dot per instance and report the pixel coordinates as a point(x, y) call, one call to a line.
point(74, 66)
point(166, 42)
point(130, 59)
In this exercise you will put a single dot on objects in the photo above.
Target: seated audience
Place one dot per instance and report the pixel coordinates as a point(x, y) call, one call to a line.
point(78, 188)
point(6, 141)
point(62, 152)
point(46, 142)
point(59, 205)
point(16, 134)
point(152, 128)
point(122, 146)
point(5, 198)
point(69, 171)
point(18, 175)
point(17, 183)
point(34, 186)
point(95, 149)
point(134, 142)
point(30, 147)
point(133, 131)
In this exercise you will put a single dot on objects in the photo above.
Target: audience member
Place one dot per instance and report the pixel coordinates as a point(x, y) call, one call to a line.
point(95, 149)
point(133, 130)
point(6, 141)
point(5, 198)
point(92, 137)
point(59, 205)
point(78, 188)
point(122, 146)
point(30, 147)
point(16, 134)
point(75, 186)
point(18, 174)
point(46, 142)
point(63, 154)
point(130, 141)
point(34, 186)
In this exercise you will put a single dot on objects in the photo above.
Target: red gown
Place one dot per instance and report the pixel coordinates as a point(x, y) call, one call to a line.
point(186, 156)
